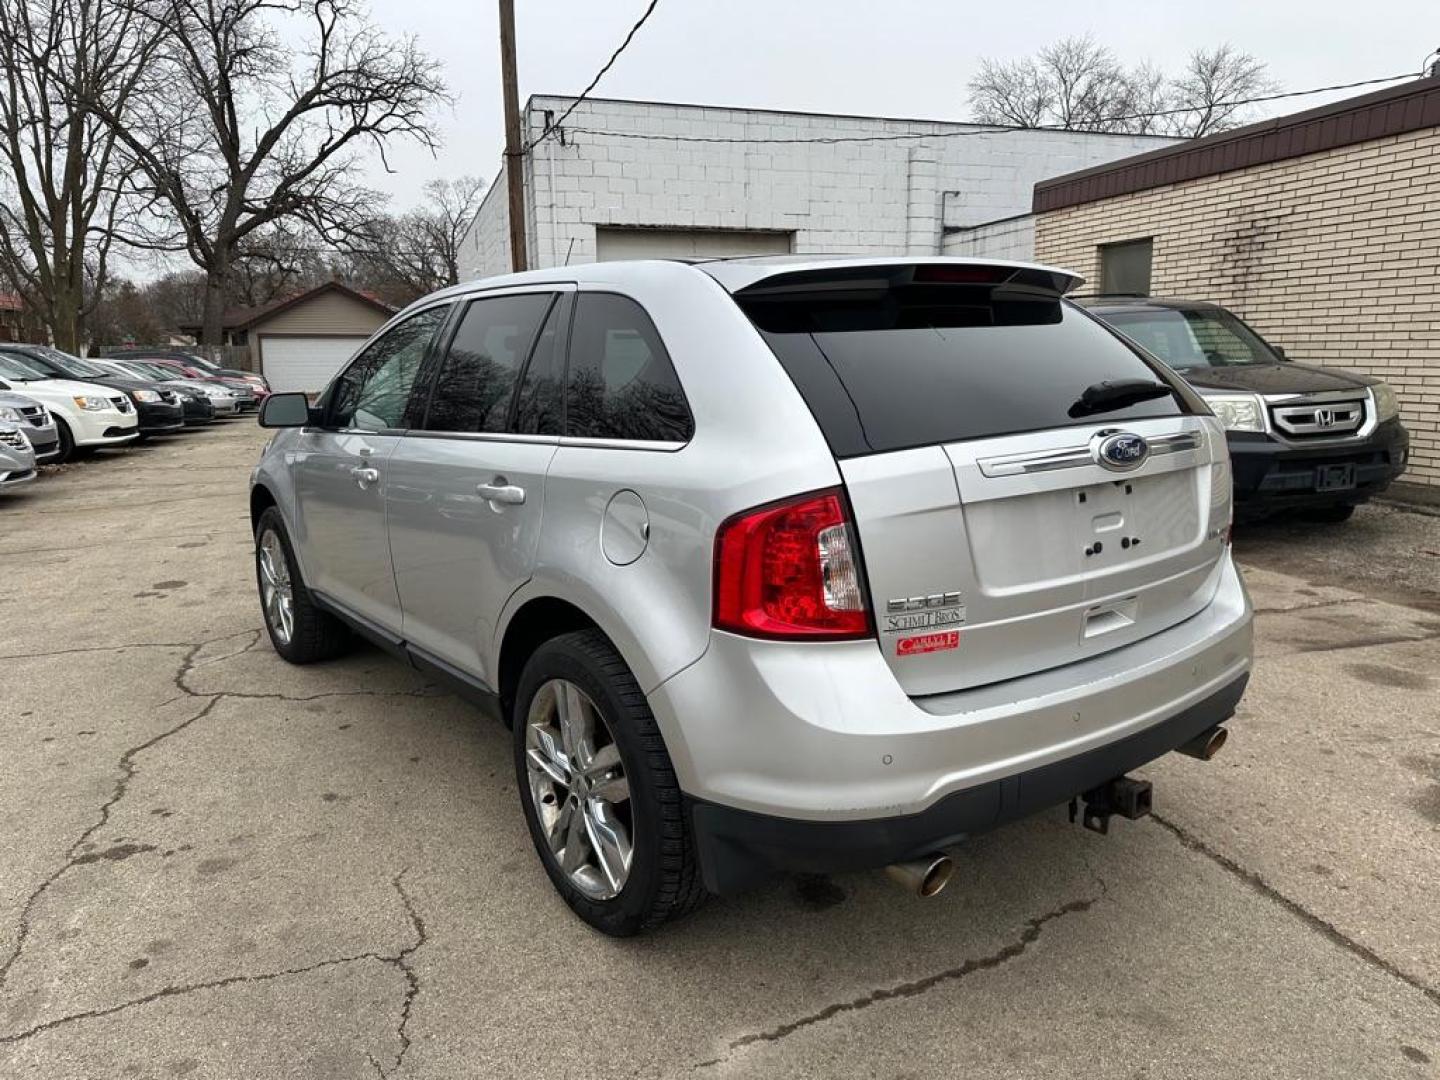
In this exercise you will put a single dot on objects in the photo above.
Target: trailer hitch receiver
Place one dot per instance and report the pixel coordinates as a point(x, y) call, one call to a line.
point(1124, 796)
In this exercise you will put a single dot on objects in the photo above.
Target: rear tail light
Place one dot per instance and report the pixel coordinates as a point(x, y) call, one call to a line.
point(791, 570)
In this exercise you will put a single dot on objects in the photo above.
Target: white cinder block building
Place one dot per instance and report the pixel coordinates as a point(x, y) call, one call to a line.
point(628, 179)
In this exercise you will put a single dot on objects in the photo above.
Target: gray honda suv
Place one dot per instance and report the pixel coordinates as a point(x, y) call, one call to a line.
point(771, 564)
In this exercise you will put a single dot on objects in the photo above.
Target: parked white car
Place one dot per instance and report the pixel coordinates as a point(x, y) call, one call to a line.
point(87, 416)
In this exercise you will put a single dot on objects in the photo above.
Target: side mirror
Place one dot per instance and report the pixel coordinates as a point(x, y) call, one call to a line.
point(285, 410)
point(1280, 352)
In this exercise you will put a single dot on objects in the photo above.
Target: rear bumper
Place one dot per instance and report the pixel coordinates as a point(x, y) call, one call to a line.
point(738, 848)
point(823, 733)
point(1271, 475)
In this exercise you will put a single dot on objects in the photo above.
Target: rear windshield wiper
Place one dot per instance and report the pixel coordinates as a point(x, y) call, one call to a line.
point(1104, 396)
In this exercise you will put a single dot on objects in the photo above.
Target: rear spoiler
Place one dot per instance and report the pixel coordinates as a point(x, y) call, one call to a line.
point(759, 278)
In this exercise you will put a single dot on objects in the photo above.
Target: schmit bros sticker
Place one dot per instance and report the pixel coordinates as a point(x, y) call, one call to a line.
point(909, 613)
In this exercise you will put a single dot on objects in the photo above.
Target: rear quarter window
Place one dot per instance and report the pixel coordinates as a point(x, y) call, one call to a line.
point(889, 365)
point(621, 383)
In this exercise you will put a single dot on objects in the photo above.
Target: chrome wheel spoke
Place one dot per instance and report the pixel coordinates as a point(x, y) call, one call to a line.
point(576, 725)
point(610, 840)
point(541, 761)
point(560, 827)
point(577, 842)
point(606, 777)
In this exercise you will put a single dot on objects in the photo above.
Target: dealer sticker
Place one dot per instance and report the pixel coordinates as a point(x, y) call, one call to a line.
point(927, 643)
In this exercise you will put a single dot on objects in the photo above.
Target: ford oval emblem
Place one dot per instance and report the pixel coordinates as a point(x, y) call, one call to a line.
point(1121, 451)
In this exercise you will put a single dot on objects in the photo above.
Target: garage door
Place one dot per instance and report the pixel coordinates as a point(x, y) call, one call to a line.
point(613, 243)
point(304, 363)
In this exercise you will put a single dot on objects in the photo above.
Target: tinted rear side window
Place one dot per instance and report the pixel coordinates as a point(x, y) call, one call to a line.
point(621, 383)
point(476, 382)
point(887, 365)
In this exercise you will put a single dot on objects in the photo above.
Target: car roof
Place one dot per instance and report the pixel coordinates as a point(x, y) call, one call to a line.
point(733, 273)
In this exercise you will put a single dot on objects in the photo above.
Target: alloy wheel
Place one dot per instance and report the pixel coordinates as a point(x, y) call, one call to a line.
point(276, 594)
point(578, 789)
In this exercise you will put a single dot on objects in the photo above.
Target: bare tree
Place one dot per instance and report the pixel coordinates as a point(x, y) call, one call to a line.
point(408, 256)
point(1077, 84)
point(255, 132)
point(63, 193)
point(1213, 80)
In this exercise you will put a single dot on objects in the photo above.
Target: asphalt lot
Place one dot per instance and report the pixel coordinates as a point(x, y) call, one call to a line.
point(218, 865)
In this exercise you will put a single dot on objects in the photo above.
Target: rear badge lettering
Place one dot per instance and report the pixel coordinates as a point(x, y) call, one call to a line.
point(906, 613)
point(927, 643)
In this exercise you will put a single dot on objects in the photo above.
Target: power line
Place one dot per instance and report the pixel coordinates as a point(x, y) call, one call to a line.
point(979, 130)
point(550, 128)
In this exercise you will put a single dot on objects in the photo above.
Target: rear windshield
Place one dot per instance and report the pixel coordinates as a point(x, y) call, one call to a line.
point(890, 364)
point(1194, 338)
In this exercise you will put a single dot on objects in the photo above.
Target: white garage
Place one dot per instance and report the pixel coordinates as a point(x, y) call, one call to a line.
point(647, 243)
point(299, 342)
point(304, 363)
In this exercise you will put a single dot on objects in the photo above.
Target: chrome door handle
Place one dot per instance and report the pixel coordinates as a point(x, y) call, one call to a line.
point(365, 475)
point(501, 493)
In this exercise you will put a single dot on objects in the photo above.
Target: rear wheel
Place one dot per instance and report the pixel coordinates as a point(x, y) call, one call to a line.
point(300, 632)
point(1332, 515)
point(598, 789)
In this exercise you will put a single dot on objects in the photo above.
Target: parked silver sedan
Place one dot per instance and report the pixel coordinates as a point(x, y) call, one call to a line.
point(17, 457)
point(35, 420)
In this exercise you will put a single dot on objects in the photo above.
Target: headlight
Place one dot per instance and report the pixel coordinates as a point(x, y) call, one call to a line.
point(147, 396)
point(1238, 412)
point(1386, 405)
point(93, 404)
point(7, 413)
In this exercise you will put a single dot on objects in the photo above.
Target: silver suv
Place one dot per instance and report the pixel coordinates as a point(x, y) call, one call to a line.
point(771, 564)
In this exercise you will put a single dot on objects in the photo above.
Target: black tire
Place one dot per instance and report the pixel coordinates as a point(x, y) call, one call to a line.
point(1332, 515)
point(315, 634)
point(67, 442)
point(664, 877)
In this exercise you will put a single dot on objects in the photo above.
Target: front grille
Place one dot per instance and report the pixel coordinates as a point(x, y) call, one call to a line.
point(168, 396)
point(15, 439)
point(34, 414)
point(1318, 418)
point(123, 404)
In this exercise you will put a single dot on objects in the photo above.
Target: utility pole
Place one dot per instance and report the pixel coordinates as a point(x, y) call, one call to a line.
point(514, 157)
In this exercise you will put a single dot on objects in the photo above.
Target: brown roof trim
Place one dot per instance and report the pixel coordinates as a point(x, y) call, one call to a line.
point(1395, 110)
point(245, 318)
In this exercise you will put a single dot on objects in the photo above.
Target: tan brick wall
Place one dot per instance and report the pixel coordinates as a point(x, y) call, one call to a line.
point(1335, 256)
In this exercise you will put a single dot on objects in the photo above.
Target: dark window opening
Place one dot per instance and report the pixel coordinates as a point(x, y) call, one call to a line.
point(887, 365)
point(621, 384)
point(476, 381)
point(1125, 268)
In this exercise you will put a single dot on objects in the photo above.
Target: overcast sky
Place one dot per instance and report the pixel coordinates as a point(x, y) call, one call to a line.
point(889, 58)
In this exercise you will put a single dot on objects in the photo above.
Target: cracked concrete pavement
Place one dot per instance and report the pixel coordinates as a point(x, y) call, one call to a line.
point(216, 865)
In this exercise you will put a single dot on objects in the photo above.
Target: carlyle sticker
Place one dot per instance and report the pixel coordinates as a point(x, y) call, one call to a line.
point(927, 643)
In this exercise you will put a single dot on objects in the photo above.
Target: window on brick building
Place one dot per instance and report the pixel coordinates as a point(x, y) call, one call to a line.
point(1125, 268)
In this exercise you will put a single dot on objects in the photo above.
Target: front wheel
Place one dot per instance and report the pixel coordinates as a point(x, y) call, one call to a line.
point(299, 630)
point(67, 442)
point(599, 792)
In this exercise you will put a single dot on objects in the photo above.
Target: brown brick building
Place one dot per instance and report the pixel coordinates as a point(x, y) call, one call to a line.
point(1322, 229)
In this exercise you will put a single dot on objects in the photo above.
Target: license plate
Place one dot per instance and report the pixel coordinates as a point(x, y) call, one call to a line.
point(1334, 477)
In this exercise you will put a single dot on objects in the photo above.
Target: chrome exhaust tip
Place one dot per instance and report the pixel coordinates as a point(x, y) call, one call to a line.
point(922, 877)
point(1205, 745)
